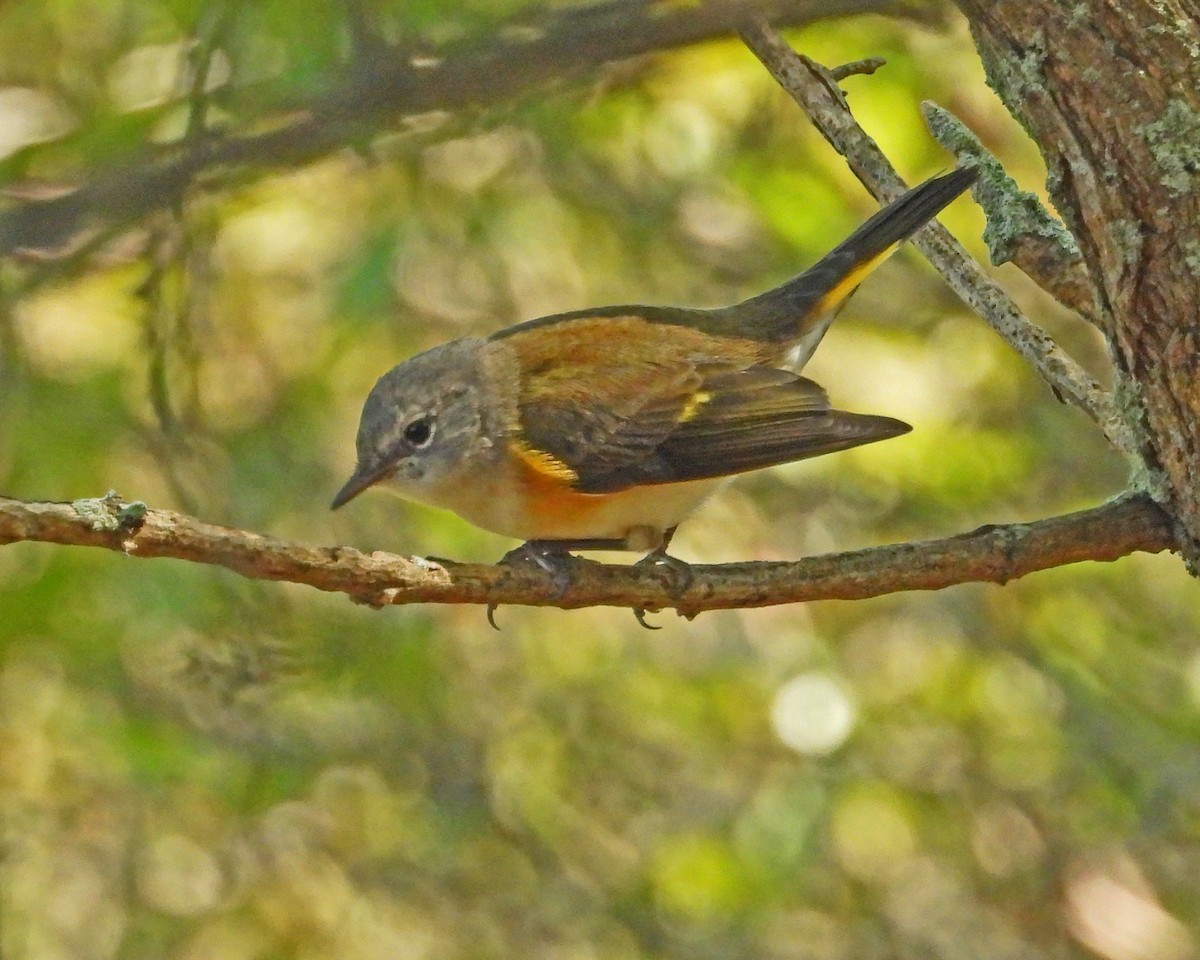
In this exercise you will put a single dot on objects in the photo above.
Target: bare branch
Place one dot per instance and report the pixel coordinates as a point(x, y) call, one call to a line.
point(994, 554)
point(560, 45)
point(815, 90)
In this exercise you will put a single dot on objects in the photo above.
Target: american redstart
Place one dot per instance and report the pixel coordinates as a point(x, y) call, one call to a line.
point(604, 428)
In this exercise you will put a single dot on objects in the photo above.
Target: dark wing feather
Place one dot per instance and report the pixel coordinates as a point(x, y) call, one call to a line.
point(620, 401)
point(761, 418)
point(710, 421)
point(601, 391)
point(627, 417)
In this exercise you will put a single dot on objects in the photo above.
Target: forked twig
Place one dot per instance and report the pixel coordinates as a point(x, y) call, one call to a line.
point(815, 89)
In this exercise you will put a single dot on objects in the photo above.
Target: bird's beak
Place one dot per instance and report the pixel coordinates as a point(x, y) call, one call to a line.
point(365, 475)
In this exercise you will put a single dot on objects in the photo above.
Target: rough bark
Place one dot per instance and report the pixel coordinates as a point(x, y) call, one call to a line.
point(1109, 90)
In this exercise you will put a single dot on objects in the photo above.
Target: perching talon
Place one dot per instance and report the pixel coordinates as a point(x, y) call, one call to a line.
point(640, 613)
point(549, 556)
point(677, 574)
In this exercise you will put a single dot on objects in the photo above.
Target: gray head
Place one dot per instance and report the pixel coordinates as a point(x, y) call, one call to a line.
point(422, 420)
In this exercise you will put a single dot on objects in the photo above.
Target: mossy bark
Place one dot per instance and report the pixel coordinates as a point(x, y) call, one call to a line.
point(1110, 90)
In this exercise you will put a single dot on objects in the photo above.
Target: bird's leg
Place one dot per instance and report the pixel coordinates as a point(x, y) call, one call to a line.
point(677, 574)
point(561, 547)
point(553, 557)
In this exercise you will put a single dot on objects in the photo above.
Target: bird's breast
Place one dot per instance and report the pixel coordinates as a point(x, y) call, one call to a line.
point(517, 499)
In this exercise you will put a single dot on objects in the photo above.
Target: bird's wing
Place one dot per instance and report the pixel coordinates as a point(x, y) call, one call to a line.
point(650, 408)
point(751, 418)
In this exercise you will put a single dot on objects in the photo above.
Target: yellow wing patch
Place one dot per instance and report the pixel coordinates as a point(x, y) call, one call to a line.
point(540, 462)
point(694, 405)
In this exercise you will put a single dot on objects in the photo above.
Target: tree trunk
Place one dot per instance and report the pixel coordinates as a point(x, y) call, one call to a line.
point(1110, 90)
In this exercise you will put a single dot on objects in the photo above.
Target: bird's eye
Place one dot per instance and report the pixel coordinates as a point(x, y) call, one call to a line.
point(419, 432)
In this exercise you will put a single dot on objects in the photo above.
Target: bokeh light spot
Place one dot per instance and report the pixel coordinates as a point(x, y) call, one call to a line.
point(813, 714)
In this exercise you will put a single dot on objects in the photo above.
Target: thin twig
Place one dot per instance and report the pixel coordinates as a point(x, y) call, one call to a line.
point(814, 89)
point(858, 68)
point(994, 554)
point(214, 27)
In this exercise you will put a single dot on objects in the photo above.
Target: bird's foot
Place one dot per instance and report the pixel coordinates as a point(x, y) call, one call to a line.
point(675, 574)
point(553, 557)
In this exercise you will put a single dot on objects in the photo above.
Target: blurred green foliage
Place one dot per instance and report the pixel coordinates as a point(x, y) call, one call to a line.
point(196, 766)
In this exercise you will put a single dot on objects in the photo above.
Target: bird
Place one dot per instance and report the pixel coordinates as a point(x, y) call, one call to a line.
point(603, 428)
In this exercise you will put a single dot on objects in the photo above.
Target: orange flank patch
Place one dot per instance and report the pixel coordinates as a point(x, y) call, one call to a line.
point(548, 495)
point(551, 510)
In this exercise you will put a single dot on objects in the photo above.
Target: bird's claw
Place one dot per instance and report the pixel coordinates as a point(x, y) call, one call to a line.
point(676, 575)
point(556, 563)
point(640, 613)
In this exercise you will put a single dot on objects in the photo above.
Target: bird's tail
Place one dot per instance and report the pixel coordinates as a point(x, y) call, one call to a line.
point(797, 313)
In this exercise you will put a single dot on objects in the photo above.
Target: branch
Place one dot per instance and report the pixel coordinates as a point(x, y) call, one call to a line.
point(1112, 104)
point(561, 44)
point(815, 90)
point(1020, 230)
point(992, 554)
